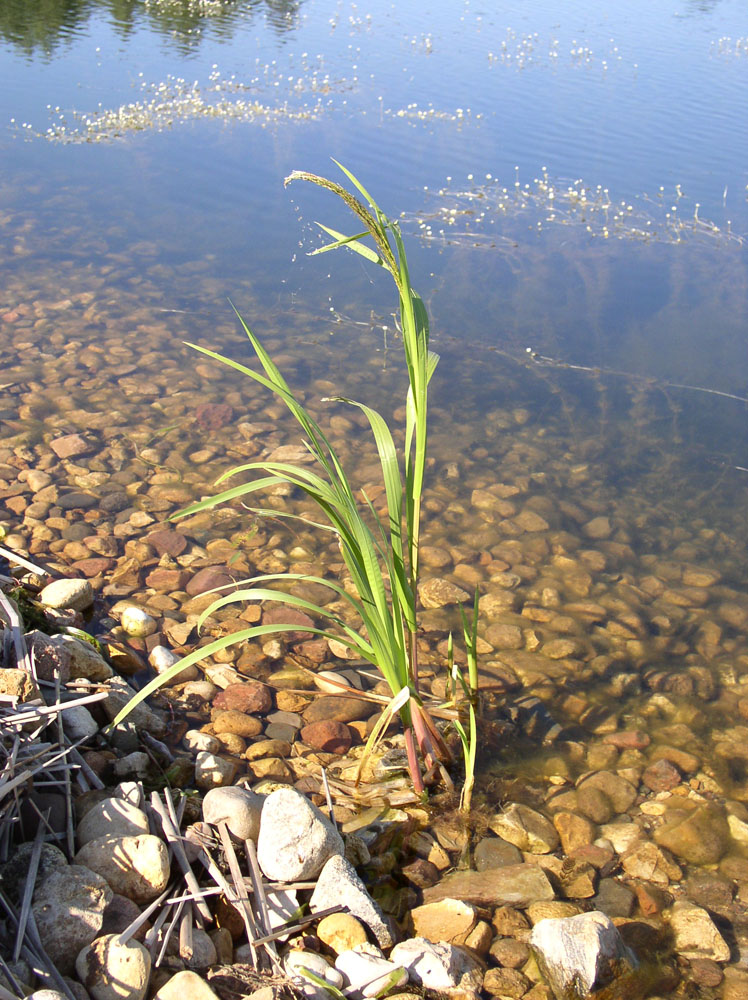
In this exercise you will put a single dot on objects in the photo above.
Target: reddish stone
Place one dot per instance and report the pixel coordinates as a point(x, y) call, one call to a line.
point(251, 698)
point(213, 416)
point(601, 858)
point(651, 899)
point(706, 972)
point(208, 579)
point(93, 566)
point(628, 739)
point(662, 776)
point(167, 542)
point(289, 616)
point(11, 317)
point(165, 580)
point(331, 737)
point(421, 873)
point(70, 446)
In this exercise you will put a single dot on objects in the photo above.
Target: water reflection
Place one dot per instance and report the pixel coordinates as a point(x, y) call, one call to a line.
point(41, 26)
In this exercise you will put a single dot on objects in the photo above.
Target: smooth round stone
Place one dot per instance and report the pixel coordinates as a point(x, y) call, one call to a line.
point(185, 985)
point(114, 971)
point(138, 623)
point(297, 961)
point(341, 932)
point(198, 741)
point(296, 838)
point(75, 594)
point(136, 867)
point(111, 818)
point(238, 808)
point(161, 658)
point(68, 908)
point(212, 771)
point(232, 721)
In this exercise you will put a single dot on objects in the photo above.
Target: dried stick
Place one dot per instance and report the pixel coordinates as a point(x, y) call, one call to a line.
point(242, 897)
point(175, 843)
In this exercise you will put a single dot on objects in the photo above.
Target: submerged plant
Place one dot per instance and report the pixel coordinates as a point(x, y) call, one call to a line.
point(381, 554)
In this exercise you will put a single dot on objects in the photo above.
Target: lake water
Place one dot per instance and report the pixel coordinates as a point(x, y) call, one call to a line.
point(571, 179)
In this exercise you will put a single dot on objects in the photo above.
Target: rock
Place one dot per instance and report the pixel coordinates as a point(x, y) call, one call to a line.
point(328, 736)
point(573, 830)
point(75, 594)
point(142, 716)
point(16, 683)
point(368, 972)
point(580, 954)
point(210, 578)
point(185, 986)
point(495, 852)
point(695, 934)
point(647, 861)
point(526, 828)
point(338, 883)
point(438, 966)
point(510, 953)
point(251, 697)
point(212, 771)
point(71, 446)
point(68, 907)
point(113, 971)
point(439, 593)
point(448, 920)
point(203, 950)
point(111, 818)
point(235, 723)
point(505, 983)
point(14, 873)
point(700, 837)
point(136, 867)
point(341, 932)
point(514, 885)
point(82, 660)
point(336, 708)
point(120, 914)
point(296, 838)
point(138, 623)
point(238, 807)
point(297, 963)
point(621, 793)
point(614, 898)
point(79, 723)
point(662, 776)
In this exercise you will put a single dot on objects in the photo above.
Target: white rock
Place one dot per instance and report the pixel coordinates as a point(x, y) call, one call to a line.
point(622, 835)
point(161, 658)
point(695, 934)
point(136, 867)
point(113, 971)
point(239, 808)
point(111, 818)
point(76, 594)
point(367, 971)
point(138, 623)
point(185, 986)
point(68, 907)
point(296, 961)
point(197, 741)
point(79, 723)
point(578, 955)
point(212, 771)
point(130, 792)
point(296, 838)
point(438, 966)
point(338, 883)
point(336, 681)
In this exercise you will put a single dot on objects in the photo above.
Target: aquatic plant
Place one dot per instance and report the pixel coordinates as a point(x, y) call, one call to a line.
point(381, 554)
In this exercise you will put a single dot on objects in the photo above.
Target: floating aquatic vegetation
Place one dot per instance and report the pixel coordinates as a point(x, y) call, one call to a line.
point(174, 101)
point(730, 48)
point(530, 49)
point(469, 216)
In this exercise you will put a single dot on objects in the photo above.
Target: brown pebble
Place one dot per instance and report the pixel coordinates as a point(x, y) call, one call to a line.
point(705, 972)
point(662, 776)
point(251, 697)
point(628, 739)
point(421, 873)
point(651, 899)
point(328, 735)
point(230, 721)
point(509, 952)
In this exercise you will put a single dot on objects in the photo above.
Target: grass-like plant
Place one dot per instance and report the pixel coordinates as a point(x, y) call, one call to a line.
point(380, 553)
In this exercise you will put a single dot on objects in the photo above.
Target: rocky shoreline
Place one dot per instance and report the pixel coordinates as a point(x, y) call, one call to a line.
point(652, 853)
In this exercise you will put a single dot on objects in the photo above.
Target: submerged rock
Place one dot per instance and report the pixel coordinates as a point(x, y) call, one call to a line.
point(580, 954)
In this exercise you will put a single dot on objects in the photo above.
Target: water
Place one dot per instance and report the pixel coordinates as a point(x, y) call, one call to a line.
point(573, 182)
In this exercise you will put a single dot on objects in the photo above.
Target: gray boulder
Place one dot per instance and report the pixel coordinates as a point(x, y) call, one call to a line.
point(68, 908)
point(338, 884)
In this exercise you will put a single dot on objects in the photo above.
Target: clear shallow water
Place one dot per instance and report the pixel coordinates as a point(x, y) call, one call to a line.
point(572, 182)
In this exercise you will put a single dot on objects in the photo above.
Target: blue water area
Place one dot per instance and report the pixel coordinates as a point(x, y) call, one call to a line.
point(572, 178)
